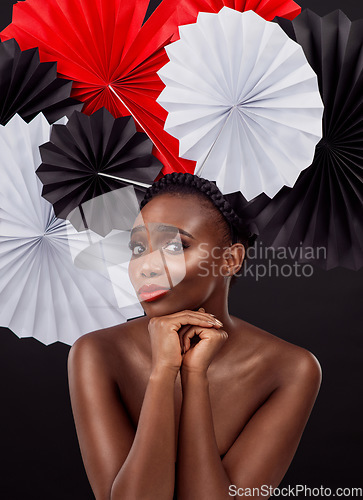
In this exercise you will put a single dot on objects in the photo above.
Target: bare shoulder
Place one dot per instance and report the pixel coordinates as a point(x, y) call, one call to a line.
point(108, 337)
point(286, 362)
point(101, 347)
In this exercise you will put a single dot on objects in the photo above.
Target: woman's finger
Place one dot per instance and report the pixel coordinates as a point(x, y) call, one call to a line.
point(183, 330)
point(195, 318)
point(181, 334)
point(193, 331)
point(201, 309)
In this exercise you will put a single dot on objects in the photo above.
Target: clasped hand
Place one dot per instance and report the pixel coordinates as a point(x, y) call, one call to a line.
point(173, 340)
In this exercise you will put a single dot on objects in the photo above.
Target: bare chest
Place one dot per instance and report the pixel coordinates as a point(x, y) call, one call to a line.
point(236, 391)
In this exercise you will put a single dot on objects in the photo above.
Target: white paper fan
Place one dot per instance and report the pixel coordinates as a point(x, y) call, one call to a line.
point(42, 292)
point(243, 102)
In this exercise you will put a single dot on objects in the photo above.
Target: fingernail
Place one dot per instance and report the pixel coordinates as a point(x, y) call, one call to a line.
point(218, 322)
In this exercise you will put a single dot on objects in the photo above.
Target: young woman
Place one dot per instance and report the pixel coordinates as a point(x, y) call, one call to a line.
point(188, 400)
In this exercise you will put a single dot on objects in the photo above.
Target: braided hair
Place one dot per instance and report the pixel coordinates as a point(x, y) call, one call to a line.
point(185, 183)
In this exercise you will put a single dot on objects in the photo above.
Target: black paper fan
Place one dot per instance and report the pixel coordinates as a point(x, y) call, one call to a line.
point(28, 87)
point(81, 156)
point(323, 213)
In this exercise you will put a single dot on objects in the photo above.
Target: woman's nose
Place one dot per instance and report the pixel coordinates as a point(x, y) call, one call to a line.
point(151, 274)
point(151, 265)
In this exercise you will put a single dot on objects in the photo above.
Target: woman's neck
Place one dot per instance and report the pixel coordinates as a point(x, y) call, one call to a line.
point(218, 306)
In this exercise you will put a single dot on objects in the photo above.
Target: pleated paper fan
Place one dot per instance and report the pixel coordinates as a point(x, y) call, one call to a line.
point(323, 213)
point(87, 38)
point(42, 293)
point(92, 155)
point(163, 25)
point(28, 87)
point(116, 209)
point(94, 44)
point(243, 102)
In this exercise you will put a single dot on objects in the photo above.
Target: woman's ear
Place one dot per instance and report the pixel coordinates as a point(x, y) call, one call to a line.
point(233, 259)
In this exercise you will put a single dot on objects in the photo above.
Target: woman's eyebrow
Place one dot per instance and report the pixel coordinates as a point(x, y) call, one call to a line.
point(162, 227)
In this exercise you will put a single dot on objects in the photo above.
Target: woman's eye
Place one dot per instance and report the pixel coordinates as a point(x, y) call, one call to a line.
point(175, 246)
point(136, 248)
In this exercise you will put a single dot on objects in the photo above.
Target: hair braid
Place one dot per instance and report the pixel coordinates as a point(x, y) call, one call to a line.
point(186, 183)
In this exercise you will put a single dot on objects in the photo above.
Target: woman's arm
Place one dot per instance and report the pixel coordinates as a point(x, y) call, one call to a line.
point(200, 473)
point(263, 451)
point(119, 463)
point(149, 469)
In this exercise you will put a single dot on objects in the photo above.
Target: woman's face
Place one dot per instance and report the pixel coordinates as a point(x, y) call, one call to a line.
point(177, 258)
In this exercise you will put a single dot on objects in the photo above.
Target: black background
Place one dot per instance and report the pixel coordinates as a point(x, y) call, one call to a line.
point(40, 458)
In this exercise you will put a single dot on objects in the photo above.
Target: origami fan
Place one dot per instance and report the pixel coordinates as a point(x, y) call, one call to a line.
point(112, 60)
point(93, 44)
point(28, 86)
point(42, 293)
point(243, 102)
point(115, 209)
point(163, 24)
point(92, 155)
point(323, 213)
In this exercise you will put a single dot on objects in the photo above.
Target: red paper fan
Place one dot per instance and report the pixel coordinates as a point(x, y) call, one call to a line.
point(170, 14)
point(93, 42)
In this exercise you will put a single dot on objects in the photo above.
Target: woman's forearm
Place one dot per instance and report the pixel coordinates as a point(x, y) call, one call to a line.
point(149, 470)
point(200, 473)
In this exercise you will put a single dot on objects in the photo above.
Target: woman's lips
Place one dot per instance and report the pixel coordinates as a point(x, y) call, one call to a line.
point(148, 293)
